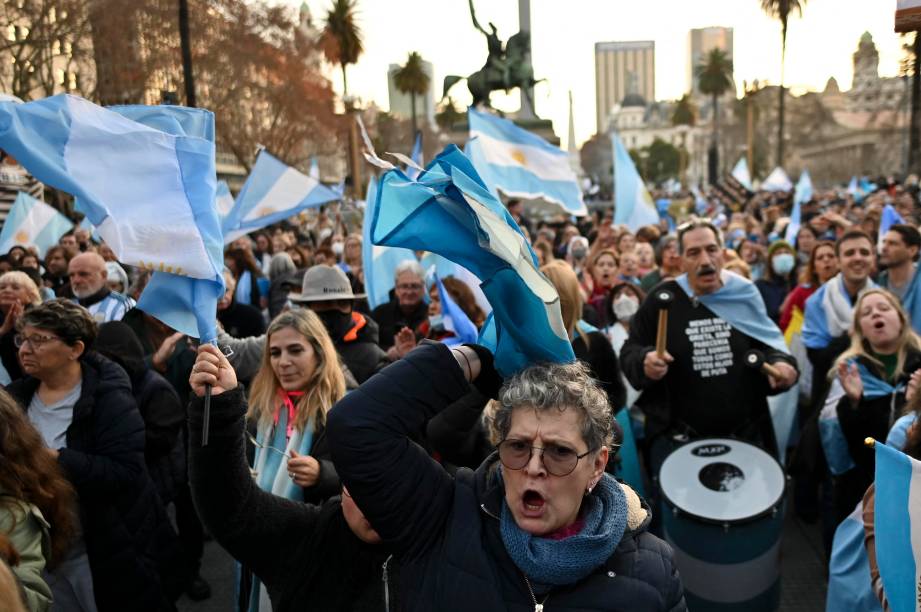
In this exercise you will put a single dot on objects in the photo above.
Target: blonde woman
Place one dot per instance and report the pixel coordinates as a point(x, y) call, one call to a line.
point(589, 344)
point(867, 394)
point(298, 381)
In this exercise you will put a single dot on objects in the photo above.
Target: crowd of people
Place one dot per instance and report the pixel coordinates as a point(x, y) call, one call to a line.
point(365, 459)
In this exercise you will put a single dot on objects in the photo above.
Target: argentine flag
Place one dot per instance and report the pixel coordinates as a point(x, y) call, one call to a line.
point(889, 218)
point(740, 173)
point(449, 211)
point(897, 523)
point(633, 206)
point(379, 262)
point(273, 192)
point(521, 164)
point(801, 195)
point(223, 199)
point(32, 222)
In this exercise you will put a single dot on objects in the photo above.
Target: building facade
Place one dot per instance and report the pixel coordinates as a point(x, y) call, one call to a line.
point(621, 68)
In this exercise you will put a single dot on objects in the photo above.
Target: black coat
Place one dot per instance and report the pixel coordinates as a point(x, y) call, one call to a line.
point(444, 529)
point(306, 555)
point(358, 346)
point(133, 551)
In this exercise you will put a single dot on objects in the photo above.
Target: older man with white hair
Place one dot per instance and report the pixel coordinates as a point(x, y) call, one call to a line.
point(407, 309)
point(87, 273)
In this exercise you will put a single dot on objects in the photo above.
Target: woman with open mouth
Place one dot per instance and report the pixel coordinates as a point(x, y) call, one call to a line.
point(868, 394)
point(538, 526)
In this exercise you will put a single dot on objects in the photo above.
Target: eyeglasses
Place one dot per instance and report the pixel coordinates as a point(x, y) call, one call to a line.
point(410, 287)
point(259, 444)
point(558, 460)
point(35, 341)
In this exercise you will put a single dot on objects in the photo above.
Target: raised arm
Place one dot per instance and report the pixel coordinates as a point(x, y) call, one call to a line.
point(405, 494)
point(261, 530)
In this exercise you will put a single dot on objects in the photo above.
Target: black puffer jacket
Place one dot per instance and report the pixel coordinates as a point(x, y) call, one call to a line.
point(444, 529)
point(129, 540)
point(359, 349)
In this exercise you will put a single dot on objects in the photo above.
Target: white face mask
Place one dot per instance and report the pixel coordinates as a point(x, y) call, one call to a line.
point(338, 247)
point(625, 307)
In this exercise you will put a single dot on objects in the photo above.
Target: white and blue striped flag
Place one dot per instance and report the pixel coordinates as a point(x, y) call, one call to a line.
point(521, 164)
point(149, 193)
point(740, 173)
point(778, 180)
point(32, 222)
point(897, 522)
point(449, 211)
point(887, 219)
point(801, 195)
point(223, 199)
point(633, 206)
point(379, 262)
point(273, 192)
point(455, 319)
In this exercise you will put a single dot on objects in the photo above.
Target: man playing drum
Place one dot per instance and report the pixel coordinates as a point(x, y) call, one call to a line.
point(700, 386)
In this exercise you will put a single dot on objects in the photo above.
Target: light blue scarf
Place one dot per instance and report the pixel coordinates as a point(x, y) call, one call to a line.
point(558, 562)
point(739, 303)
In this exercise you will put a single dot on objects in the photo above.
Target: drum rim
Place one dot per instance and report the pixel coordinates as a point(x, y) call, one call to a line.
point(739, 521)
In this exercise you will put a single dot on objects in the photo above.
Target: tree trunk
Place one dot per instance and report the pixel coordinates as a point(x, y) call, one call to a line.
point(780, 105)
point(186, 53)
point(412, 101)
point(914, 134)
point(345, 84)
point(713, 154)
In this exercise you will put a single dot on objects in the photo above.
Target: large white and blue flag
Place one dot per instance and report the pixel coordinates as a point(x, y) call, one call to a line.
point(31, 222)
point(416, 157)
point(897, 527)
point(849, 583)
point(379, 262)
point(633, 206)
point(521, 164)
point(445, 267)
point(741, 173)
point(273, 192)
point(450, 211)
point(149, 193)
point(801, 195)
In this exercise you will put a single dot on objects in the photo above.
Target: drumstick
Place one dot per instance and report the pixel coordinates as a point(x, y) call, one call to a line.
point(869, 442)
point(755, 360)
point(664, 297)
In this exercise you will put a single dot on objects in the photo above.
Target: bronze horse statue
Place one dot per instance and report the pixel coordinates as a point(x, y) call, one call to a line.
point(505, 68)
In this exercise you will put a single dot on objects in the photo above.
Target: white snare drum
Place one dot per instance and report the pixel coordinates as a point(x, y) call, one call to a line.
point(722, 503)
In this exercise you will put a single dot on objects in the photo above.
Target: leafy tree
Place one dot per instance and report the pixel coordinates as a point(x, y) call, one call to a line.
point(714, 78)
point(342, 38)
point(448, 115)
point(684, 113)
point(412, 79)
point(781, 9)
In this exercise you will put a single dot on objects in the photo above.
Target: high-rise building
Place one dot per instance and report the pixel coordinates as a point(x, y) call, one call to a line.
point(702, 41)
point(401, 103)
point(621, 68)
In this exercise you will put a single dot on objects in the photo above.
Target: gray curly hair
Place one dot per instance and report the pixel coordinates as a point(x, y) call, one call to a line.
point(559, 386)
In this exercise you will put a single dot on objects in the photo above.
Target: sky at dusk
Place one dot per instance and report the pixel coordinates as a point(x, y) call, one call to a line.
point(819, 45)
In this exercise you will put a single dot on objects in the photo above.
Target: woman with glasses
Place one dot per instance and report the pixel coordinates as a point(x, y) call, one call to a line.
point(539, 525)
point(17, 292)
point(299, 380)
point(126, 556)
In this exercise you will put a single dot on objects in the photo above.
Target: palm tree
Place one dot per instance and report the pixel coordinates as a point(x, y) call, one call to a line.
point(342, 39)
point(781, 9)
point(714, 77)
point(411, 78)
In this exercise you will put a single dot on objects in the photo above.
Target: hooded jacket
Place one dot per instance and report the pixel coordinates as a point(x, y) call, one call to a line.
point(444, 529)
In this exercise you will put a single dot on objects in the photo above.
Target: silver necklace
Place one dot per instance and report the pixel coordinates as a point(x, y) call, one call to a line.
point(538, 607)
